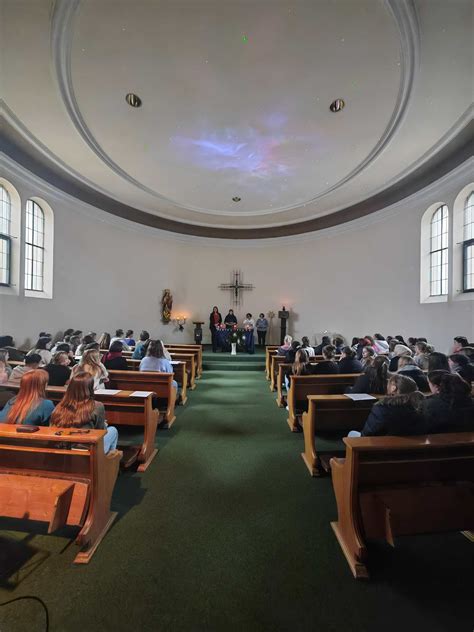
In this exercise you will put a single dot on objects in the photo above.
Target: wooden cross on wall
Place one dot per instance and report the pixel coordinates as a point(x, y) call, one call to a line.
point(236, 286)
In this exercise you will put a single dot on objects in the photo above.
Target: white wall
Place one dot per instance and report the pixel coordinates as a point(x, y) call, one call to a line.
point(356, 279)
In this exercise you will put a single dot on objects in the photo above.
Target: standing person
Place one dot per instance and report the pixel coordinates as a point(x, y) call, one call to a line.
point(249, 326)
point(90, 363)
point(262, 328)
point(230, 320)
point(29, 406)
point(140, 349)
point(78, 409)
point(215, 319)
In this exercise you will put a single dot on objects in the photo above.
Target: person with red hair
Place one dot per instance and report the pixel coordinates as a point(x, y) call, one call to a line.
point(30, 406)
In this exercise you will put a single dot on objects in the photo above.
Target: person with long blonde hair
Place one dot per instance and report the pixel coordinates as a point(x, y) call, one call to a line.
point(30, 406)
point(90, 363)
point(78, 409)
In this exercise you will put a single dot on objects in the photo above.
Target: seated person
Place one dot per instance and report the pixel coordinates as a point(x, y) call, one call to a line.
point(398, 351)
point(58, 369)
point(31, 362)
point(305, 344)
point(438, 361)
point(155, 360)
point(338, 342)
point(467, 351)
point(7, 343)
point(291, 353)
point(422, 355)
point(4, 374)
point(325, 341)
point(113, 360)
point(328, 365)
point(407, 367)
point(230, 320)
point(140, 349)
point(30, 405)
point(368, 356)
point(397, 414)
point(459, 363)
point(380, 345)
point(87, 340)
point(129, 339)
point(79, 410)
point(459, 343)
point(90, 363)
point(301, 366)
point(42, 349)
point(104, 340)
point(374, 379)
point(4, 356)
point(349, 363)
point(286, 346)
point(119, 335)
point(450, 408)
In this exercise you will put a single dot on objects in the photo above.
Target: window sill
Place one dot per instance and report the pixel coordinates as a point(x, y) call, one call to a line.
point(33, 294)
point(435, 299)
point(463, 296)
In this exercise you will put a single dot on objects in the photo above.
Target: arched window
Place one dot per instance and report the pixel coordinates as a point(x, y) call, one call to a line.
point(439, 250)
point(468, 244)
point(34, 247)
point(5, 237)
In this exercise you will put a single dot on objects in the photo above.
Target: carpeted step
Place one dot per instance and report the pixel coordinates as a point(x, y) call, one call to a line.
point(233, 366)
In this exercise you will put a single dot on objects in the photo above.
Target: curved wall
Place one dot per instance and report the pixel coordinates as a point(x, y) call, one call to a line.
point(357, 278)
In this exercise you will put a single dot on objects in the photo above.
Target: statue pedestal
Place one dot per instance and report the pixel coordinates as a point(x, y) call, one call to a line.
point(283, 315)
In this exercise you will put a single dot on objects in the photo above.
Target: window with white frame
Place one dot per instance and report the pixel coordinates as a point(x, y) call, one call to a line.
point(34, 247)
point(439, 251)
point(468, 244)
point(5, 237)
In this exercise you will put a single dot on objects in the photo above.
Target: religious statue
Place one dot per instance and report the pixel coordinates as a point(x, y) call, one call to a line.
point(166, 306)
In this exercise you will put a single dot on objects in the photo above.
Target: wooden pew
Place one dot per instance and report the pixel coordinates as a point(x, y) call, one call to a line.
point(270, 351)
point(161, 384)
point(41, 480)
point(186, 360)
point(303, 385)
point(180, 375)
point(121, 409)
point(276, 361)
point(391, 486)
point(194, 349)
point(285, 369)
point(330, 415)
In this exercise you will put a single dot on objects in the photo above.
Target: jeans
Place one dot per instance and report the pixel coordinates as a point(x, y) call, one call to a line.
point(110, 439)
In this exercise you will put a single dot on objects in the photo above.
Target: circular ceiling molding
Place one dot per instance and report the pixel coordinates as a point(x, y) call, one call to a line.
point(403, 15)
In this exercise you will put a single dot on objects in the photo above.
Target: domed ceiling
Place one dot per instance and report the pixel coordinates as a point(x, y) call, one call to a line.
point(234, 136)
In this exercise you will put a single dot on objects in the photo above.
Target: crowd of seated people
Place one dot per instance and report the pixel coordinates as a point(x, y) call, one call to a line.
point(425, 391)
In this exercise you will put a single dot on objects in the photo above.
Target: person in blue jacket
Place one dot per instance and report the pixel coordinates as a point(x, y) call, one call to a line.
point(30, 406)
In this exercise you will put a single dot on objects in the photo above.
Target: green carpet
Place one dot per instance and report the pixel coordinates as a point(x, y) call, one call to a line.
point(227, 531)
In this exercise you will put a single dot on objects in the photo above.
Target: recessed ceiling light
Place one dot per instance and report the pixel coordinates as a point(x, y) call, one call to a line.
point(236, 199)
point(337, 105)
point(133, 100)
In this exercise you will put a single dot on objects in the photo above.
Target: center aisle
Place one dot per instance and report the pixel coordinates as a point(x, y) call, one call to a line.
point(227, 531)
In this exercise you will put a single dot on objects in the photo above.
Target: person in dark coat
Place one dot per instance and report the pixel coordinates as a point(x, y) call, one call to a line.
point(7, 343)
point(113, 360)
point(291, 353)
point(451, 407)
point(399, 413)
point(215, 319)
point(459, 363)
point(325, 341)
point(373, 379)
point(438, 361)
point(348, 362)
point(328, 365)
point(408, 367)
point(231, 318)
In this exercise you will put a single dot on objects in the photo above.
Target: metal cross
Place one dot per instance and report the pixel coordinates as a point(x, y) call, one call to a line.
point(236, 286)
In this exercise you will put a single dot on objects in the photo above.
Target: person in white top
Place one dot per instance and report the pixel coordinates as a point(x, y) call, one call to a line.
point(249, 326)
point(119, 335)
point(90, 363)
point(42, 349)
point(307, 347)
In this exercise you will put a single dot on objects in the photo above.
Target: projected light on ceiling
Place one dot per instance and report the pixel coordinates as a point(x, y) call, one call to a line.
point(258, 152)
